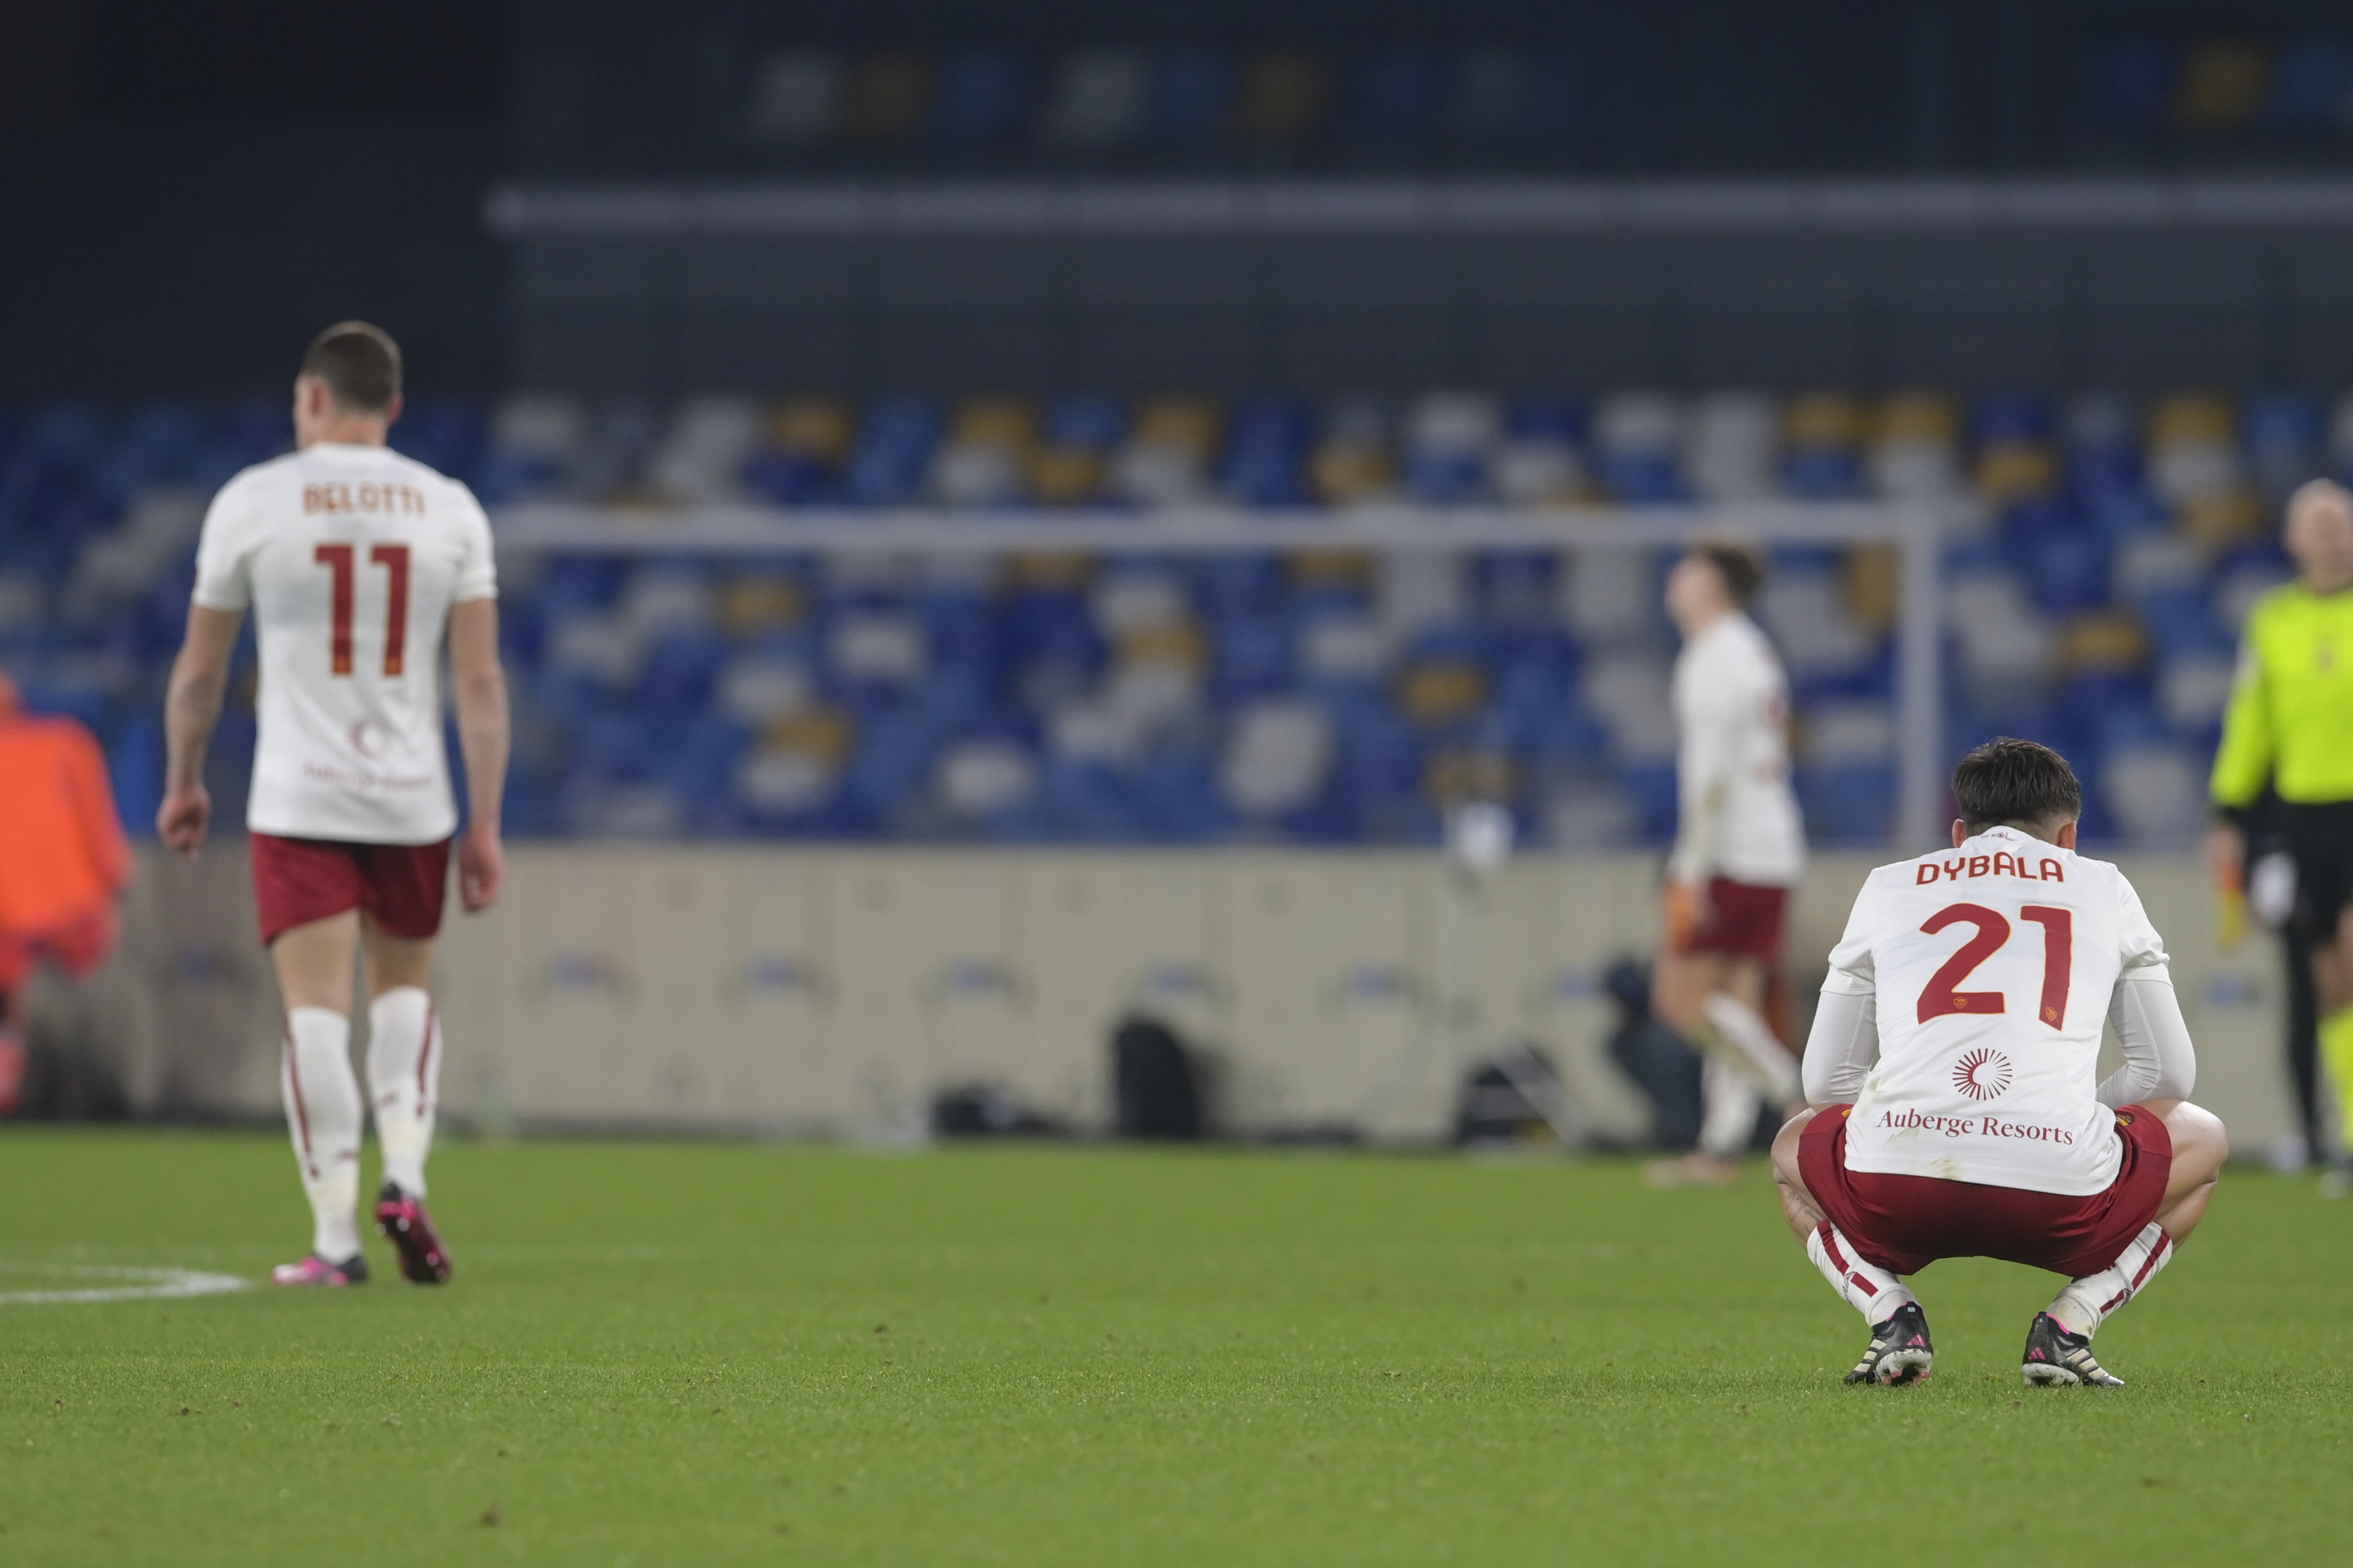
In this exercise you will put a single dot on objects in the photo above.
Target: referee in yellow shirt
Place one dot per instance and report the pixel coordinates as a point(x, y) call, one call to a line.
point(2290, 722)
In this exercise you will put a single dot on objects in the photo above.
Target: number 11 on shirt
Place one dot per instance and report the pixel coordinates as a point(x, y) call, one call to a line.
point(338, 560)
point(1944, 994)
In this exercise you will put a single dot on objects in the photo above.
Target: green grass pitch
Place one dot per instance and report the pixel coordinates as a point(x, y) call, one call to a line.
point(684, 1354)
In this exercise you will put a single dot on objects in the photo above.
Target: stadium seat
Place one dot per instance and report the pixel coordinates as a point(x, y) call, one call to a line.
point(2132, 83)
point(983, 101)
point(1731, 445)
point(1395, 97)
point(1097, 102)
point(1824, 432)
point(795, 99)
point(1192, 95)
point(1265, 458)
point(1450, 441)
point(1636, 436)
point(893, 456)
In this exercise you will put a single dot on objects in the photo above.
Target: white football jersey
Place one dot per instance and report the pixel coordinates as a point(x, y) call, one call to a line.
point(1738, 818)
point(349, 558)
point(1993, 967)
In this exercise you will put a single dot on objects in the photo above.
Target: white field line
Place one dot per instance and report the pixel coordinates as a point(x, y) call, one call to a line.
point(137, 1284)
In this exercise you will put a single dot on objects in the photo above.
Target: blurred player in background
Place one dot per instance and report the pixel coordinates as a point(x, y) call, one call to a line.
point(2290, 724)
point(354, 561)
point(62, 862)
point(1739, 849)
point(1953, 1072)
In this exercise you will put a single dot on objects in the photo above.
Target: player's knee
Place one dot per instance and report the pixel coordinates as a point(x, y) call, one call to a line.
point(1785, 1145)
point(2198, 1135)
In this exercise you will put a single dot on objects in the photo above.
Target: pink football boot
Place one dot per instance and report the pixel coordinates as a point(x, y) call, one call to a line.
point(402, 1218)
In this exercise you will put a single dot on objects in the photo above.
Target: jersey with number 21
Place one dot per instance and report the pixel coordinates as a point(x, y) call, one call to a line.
point(1993, 968)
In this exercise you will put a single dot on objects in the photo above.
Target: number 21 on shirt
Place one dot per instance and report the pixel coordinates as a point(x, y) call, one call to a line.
point(1944, 995)
point(338, 559)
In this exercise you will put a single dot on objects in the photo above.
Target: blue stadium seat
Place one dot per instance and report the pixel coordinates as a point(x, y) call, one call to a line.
point(2131, 86)
point(983, 100)
point(1394, 99)
point(1192, 93)
point(443, 435)
point(1650, 788)
point(2282, 432)
point(1266, 452)
point(2009, 417)
point(1446, 478)
point(2312, 83)
point(2068, 563)
point(894, 452)
point(1086, 423)
point(790, 478)
point(1250, 655)
point(1849, 803)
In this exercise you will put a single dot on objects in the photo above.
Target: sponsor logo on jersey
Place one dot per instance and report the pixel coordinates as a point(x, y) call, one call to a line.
point(1982, 1074)
point(1972, 1127)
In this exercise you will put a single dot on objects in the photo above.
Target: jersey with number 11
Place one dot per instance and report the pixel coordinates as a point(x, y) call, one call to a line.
point(349, 558)
point(1992, 967)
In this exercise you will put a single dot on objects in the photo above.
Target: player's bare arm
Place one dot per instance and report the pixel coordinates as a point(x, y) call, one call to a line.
point(199, 682)
point(479, 685)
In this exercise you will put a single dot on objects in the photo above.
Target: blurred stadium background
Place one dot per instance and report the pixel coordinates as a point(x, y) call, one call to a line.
point(1452, 305)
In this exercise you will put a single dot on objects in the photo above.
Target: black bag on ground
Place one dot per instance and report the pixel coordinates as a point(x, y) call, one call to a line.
point(1154, 1081)
point(987, 1111)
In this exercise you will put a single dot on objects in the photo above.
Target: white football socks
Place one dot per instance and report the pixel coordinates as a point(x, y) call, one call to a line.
point(323, 1112)
point(2088, 1302)
point(1732, 1101)
point(404, 1061)
point(1867, 1288)
point(1740, 1026)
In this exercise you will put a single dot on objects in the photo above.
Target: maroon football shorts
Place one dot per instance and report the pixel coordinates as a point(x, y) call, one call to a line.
point(1740, 920)
point(1905, 1223)
point(298, 880)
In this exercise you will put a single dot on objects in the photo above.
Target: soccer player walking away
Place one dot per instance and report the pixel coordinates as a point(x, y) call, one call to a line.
point(1739, 849)
point(2290, 723)
point(1951, 1075)
point(354, 561)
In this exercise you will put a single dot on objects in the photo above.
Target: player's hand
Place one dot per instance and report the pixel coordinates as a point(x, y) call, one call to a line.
point(482, 869)
point(184, 817)
point(1680, 906)
point(2226, 857)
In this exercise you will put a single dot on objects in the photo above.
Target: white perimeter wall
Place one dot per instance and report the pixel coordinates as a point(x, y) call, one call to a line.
point(831, 991)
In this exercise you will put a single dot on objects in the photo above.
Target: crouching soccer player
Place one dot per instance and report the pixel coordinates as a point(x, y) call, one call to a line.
point(1950, 1075)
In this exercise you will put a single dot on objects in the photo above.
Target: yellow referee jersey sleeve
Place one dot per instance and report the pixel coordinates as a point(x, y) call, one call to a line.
point(2291, 713)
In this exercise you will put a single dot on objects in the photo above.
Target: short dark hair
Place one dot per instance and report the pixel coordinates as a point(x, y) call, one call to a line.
point(359, 363)
point(1741, 569)
point(2016, 783)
